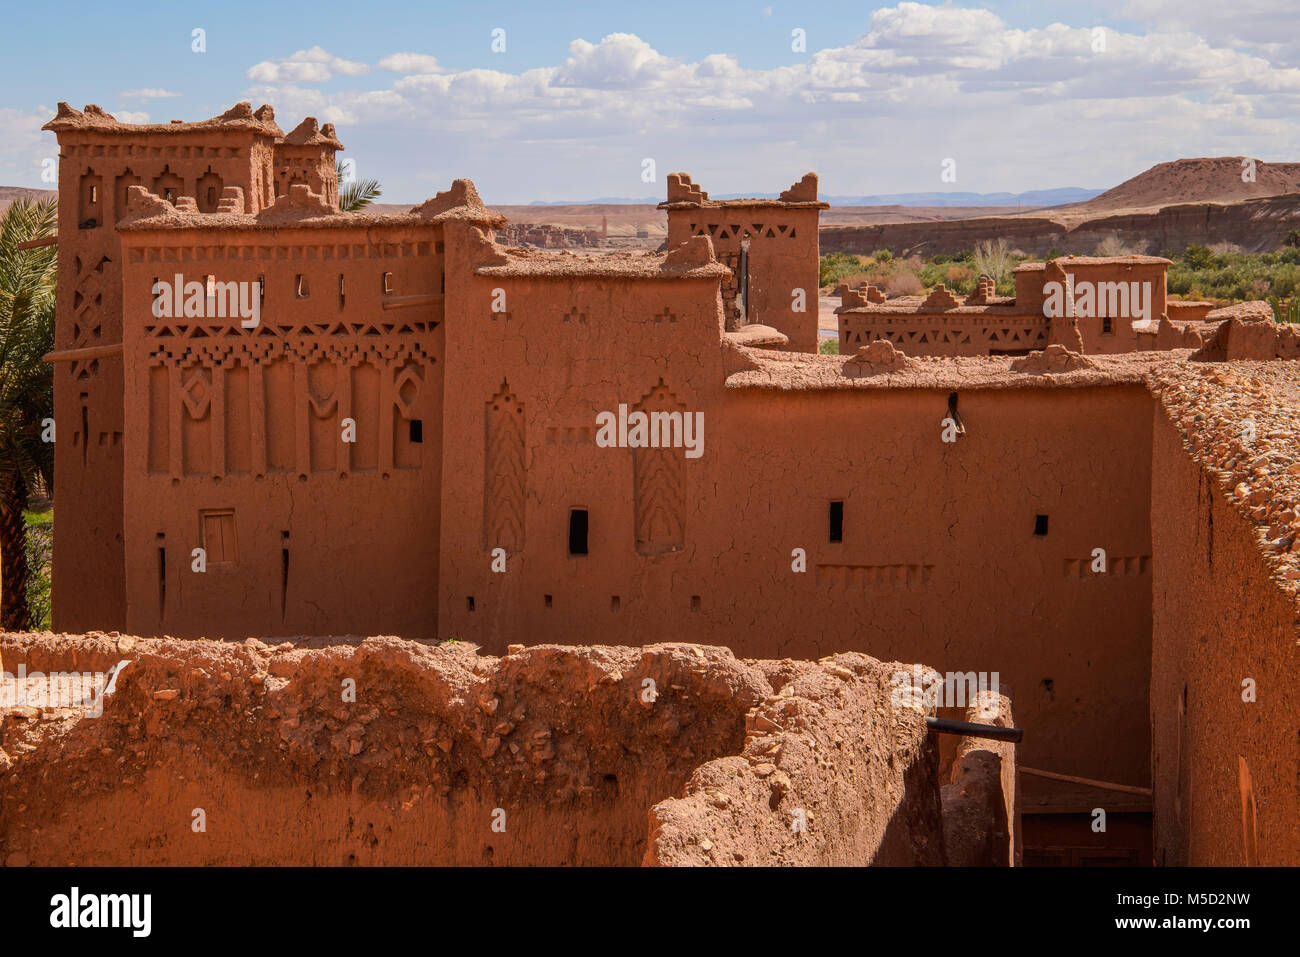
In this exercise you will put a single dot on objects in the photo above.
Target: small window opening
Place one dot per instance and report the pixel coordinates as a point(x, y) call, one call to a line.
point(1040, 524)
point(162, 574)
point(547, 600)
point(837, 521)
point(416, 427)
point(1106, 327)
point(300, 286)
point(577, 531)
point(388, 284)
point(614, 603)
point(695, 603)
point(469, 602)
point(342, 296)
point(954, 414)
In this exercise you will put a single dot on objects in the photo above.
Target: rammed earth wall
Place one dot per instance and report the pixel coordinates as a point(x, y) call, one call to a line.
point(216, 753)
point(1224, 769)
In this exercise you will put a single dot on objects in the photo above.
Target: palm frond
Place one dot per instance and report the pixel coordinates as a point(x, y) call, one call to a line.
point(357, 194)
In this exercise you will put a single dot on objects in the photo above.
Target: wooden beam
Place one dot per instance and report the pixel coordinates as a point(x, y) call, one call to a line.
point(37, 243)
point(89, 352)
point(1090, 782)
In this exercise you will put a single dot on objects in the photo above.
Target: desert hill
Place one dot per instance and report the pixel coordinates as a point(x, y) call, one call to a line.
point(9, 193)
point(1207, 180)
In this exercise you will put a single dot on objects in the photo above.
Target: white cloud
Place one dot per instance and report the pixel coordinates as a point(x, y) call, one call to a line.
point(131, 116)
point(23, 147)
point(148, 93)
point(1018, 108)
point(420, 63)
point(306, 66)
point(1267, 25)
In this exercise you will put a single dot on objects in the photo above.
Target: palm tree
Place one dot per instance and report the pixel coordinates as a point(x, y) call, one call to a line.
point(357, 194)
point(27, 281)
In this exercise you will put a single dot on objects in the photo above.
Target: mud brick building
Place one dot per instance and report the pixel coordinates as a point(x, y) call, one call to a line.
point(406, 442)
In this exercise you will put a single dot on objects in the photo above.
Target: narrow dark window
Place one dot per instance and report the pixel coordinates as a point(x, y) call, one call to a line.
point(577, 531)
point(417, 430)
point(954, 414)
point(695, 603)
point(614, 603)
point(837, 521)
point(742, 270)
point(1040, 524)
point(546, 600)
point(342, 296)
point(1106, 327)
point(162, 575)
point(300, 287)
point(388, 284)
point(469, 602)
point(284, 572)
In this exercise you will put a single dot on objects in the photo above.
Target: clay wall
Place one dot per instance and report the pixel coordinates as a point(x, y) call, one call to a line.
point(249, 754)
point(95, 170)
point(981, 804)
point(938, 555)
point(1030, 278)
point(309, 165)
point(1107, 335)
point(781, 253)
point(1122, 291)
point(974, 333)
point(523, 388)
point(1223, 769)
point(804, 792)
point(238, 434)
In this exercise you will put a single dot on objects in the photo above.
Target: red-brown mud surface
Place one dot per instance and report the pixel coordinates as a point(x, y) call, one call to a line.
point(565, 750)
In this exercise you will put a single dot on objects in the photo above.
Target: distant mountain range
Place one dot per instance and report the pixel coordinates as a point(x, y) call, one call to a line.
point(1033, 197)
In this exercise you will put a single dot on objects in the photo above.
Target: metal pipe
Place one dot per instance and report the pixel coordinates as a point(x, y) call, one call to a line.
point(972, 730)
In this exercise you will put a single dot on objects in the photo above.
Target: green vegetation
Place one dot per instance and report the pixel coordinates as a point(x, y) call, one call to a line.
point(40, 552)
point(1223, 273)
point(1201, 273)
point(914, 275)
point(357, 194)
point(27, 284)
point(829, 347)
point(835, 266)
point(1285, 311)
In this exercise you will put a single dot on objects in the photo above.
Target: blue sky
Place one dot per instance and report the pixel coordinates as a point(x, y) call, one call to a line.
point(1016, 93)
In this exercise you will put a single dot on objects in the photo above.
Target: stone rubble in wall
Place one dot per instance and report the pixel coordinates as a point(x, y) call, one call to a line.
point(1259, 470)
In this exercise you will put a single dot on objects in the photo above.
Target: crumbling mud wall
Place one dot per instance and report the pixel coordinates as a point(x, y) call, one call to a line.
point(830, 774)
point(981, 804)
point(1224, 650)
point(212, 753)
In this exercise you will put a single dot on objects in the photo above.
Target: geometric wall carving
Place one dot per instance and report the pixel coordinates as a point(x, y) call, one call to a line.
point(505, 483)
point(659, 484)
